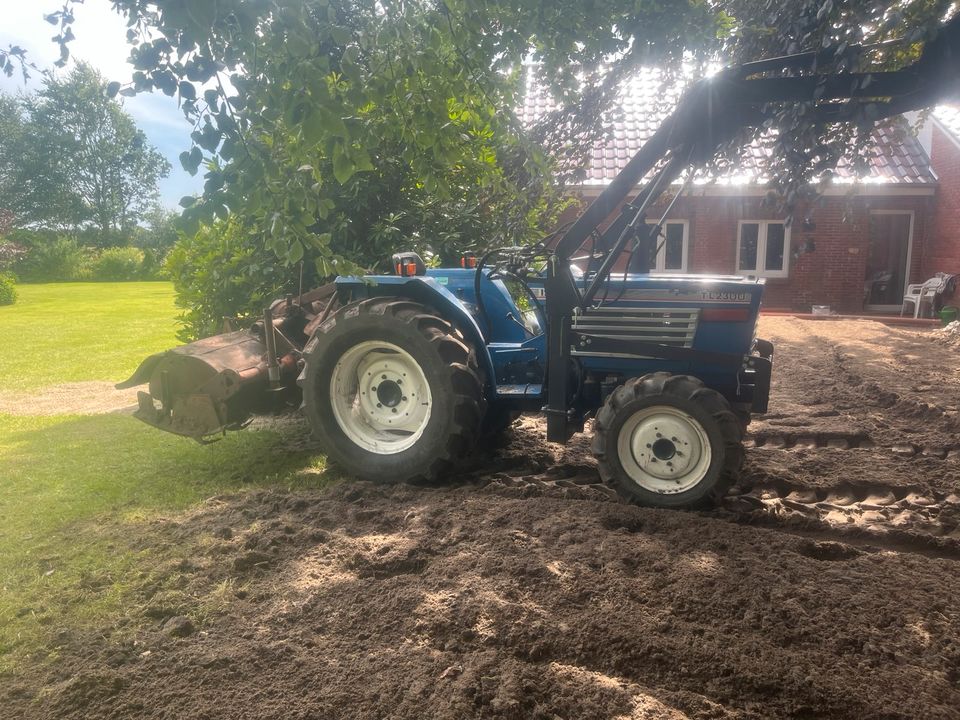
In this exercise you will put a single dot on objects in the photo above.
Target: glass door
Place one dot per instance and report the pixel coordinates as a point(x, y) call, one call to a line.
point(888, 260)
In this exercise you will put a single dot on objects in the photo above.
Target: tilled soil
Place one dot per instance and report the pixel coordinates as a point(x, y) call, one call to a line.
point(824, 587)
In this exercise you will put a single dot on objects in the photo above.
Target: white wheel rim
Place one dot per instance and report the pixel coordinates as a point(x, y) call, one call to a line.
point(380, 397)
point(664, 450)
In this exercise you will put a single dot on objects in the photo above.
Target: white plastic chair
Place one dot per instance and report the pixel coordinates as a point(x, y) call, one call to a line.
point(919, 293)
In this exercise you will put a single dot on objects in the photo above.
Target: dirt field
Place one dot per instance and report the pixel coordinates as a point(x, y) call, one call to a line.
point(825, 587)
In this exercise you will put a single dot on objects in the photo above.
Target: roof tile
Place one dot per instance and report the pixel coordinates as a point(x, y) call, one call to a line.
point(645, 101)
point(949, 117)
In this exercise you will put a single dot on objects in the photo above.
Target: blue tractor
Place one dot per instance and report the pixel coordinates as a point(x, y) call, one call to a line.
point(401, 374)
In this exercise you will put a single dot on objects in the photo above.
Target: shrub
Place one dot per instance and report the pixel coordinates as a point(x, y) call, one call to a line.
point(11, 254)
point(8, 291)
point(118, 263)
point(31, 238)
point(59, 259)
point(152, 267)
point(223, 270)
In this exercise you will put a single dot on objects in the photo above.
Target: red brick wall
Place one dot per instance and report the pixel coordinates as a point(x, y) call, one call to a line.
point(832, 275)
point(943, 253)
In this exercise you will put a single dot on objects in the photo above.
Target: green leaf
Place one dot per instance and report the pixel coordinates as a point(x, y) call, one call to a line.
point(340, 34)
point(343, 167)
point(295, 253)
point(313, 128)
point(187, 91)
point(214, 182)
point(361, 159)
point(324, 207)
point(324, 270)
point(190, 161)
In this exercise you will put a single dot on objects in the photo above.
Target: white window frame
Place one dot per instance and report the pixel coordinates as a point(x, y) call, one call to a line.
point(762, 249)
point(662, 253)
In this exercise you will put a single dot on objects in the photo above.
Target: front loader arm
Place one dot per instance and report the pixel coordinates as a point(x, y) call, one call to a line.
point(714, 110)
point(709, 115)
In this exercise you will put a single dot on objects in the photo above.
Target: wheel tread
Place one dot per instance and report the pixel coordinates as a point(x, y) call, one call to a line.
point(683, 387)
point(450, 344)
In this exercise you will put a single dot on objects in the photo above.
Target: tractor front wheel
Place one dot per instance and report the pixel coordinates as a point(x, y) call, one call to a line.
point(666, 440)
point(392, 390)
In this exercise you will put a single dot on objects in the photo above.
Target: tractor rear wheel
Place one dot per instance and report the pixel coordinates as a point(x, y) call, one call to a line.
point(668, 441)
point(392, 390)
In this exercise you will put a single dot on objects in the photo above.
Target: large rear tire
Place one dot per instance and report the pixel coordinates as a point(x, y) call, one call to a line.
point(392, 390)
point(667, 441)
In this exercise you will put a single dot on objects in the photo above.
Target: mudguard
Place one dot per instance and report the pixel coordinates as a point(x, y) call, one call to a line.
point(426, 290)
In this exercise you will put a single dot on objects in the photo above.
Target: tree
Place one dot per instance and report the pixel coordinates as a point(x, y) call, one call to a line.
point(308, 78)
point(325, 125)
point(158, 232)
point(386, 148)
point(10, 252)
point(75, 159)
point(6, 222)
point(11, 139)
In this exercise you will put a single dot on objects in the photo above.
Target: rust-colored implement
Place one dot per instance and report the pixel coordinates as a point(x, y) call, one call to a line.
point(213, 385)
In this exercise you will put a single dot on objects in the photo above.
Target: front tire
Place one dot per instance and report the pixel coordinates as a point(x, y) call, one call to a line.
point(668, 441)
point(392, 391)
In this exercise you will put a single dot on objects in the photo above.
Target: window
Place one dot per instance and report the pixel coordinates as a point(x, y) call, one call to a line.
point(763, 249)
point(672, 247)
point(529, 310)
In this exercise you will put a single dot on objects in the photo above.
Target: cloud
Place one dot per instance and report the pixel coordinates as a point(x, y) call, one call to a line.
point(102, 42)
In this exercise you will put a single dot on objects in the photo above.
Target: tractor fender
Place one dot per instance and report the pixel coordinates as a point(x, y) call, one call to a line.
point(425, 290)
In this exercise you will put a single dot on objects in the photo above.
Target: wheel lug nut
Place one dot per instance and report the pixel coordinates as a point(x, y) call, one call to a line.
point(394, 410)
point(404, 398)
point(373, 389)
point(383, 377)
point(379, 405)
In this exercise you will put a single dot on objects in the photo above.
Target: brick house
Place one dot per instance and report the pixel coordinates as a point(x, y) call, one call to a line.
point(899, 225)
point(941, 140)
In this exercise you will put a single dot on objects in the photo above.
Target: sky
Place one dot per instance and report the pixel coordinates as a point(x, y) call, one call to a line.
point(101, 41)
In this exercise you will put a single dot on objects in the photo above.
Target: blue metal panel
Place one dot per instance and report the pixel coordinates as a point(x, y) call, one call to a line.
point(504, 348)
point(508, 344)
point(678, 292)
point(426, 290)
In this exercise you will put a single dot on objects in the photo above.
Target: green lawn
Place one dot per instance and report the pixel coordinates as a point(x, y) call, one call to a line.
point(78, 493)
point(68, 332)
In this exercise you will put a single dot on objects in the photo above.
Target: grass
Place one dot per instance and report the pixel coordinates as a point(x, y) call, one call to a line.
point(78, 494)
point(70, 332)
